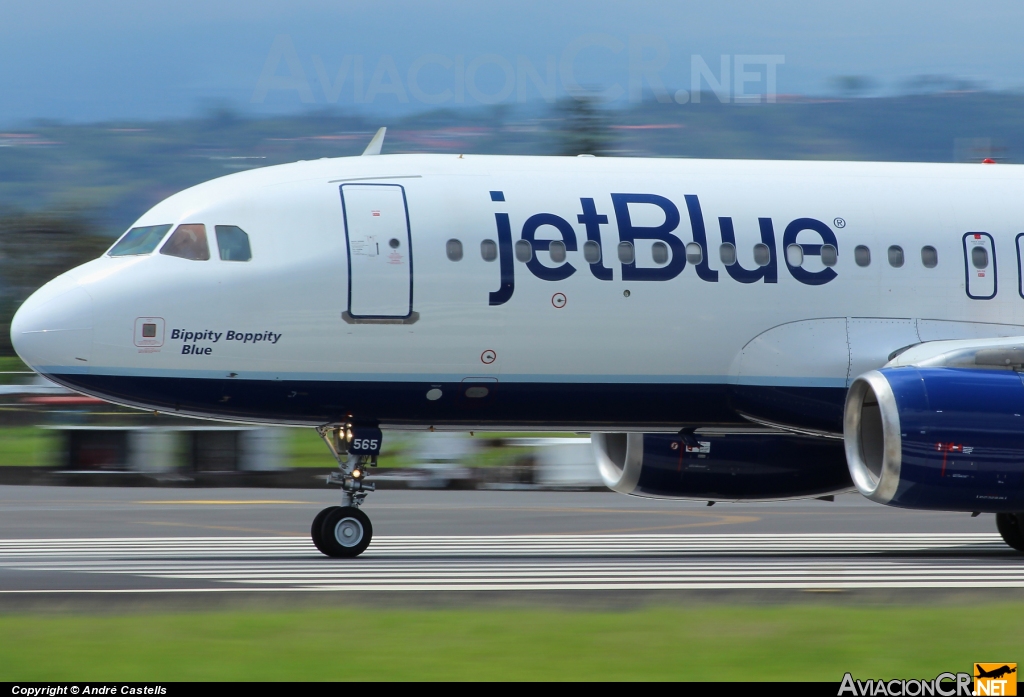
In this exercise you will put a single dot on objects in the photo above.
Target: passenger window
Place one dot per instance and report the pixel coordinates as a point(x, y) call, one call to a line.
point(762, 255)
point(557, 251)
point(524, 251)
point(795, 255)
point(829, 255)
point(659, 253)
point(979, 257)
point(626, 253)
point(453, 248)
point(139, 240)
point(862, 255)
point(489, 250)
point(929, 257)
point(727, 253)
point(233, 243)
point(188, 242)
point(694, 253)
point(895, 256)
point(592, 252)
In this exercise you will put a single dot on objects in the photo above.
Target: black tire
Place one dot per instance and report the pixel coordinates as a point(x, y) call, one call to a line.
point(318, 525)
point(1011, 527)
point(346, 532)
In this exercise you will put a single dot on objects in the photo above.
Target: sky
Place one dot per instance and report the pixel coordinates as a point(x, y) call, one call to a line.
point(126, 60)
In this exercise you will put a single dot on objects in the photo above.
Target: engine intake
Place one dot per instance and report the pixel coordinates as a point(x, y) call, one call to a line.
point(872, 437)
point(937, 438)
point(730, 467)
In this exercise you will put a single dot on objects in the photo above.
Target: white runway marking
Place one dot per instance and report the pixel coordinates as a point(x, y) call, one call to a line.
point(503, 563)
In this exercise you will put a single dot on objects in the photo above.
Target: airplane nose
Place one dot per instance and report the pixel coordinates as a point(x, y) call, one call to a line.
point(52, 330)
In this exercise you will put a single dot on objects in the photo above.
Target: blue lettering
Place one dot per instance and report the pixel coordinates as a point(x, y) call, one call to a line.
point(769, 272)
point(568, 235)
point(766, 270)
point(505, 259)
point(593, 222)
point(700, 236)
point(630, 233)
point(193, 350)
point(811, 278)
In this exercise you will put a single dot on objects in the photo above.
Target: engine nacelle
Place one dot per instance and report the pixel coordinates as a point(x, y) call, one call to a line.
point(731, 467)
point(938, 438)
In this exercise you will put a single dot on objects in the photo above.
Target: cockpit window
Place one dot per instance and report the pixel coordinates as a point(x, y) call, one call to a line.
point(233, 243)
point(188, 242)
point(139, 240)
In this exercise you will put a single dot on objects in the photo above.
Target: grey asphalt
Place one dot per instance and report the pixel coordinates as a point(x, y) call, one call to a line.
point(84, 540)
point(86, 512)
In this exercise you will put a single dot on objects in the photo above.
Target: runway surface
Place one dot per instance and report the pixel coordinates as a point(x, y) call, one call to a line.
point(146, 541)
point(62, 512)
point(157, 540)
point(513, 563)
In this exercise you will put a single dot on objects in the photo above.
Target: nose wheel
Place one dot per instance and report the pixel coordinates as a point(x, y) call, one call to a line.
point(342, 531)
point(345, 531)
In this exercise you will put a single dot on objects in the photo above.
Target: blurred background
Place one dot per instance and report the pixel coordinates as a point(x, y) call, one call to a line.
point(108, 107)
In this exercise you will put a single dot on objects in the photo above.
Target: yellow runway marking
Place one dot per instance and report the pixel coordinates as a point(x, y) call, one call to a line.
point(229, 528)
point(722, 520)
point(215, 502)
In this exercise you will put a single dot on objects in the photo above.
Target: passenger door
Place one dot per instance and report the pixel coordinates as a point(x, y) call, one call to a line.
point(379, 250)
point(980, 265)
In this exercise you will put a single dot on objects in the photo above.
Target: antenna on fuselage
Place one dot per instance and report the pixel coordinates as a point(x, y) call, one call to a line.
point(376, 142)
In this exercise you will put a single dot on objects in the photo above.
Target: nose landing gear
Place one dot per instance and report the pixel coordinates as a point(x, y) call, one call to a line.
point(345, 531)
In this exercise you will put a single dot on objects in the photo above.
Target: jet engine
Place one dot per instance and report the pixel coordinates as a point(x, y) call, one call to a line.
point(943, 438)
point(721, 467)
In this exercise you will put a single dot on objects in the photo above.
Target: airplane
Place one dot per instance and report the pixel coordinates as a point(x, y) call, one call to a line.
point(727, 330)
point(995, 673)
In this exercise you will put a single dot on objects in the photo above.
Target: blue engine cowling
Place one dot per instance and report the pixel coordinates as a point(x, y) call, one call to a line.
point(938, 438)
point(730, 467)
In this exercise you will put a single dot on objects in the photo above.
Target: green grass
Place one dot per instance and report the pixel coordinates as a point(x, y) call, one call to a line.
point(305, 449)
point(10, 366)
point(27, 446)
point(779, 642)
point(13, 363)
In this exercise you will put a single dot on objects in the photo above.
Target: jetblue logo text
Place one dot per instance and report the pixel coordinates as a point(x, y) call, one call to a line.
point(624, 212)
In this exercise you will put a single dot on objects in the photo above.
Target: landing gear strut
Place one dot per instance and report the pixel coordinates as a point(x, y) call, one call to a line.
point(345, 531)
point(1011, 527)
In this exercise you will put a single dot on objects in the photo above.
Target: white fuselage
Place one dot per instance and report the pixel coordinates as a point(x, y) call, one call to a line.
point(594, 344)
